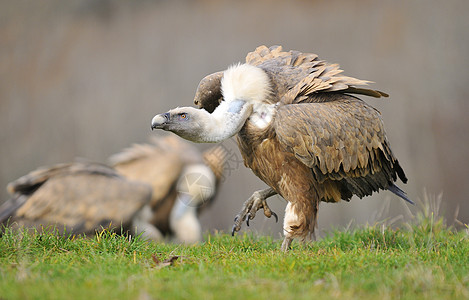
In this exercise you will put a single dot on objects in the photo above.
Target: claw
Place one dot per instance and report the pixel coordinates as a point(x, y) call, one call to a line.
point(251, 206)
point(276, 217)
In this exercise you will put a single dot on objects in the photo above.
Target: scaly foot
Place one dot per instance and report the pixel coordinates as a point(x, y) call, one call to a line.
point(251, 206)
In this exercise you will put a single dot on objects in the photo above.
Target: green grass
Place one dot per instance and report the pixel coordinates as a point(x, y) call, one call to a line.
point(423, 261)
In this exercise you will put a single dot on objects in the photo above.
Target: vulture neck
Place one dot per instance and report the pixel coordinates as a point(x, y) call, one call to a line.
point(252, 84)
point(246, 90)
point(225, 121)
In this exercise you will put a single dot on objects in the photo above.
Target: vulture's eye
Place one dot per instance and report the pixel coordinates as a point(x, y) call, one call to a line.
point(183, 116)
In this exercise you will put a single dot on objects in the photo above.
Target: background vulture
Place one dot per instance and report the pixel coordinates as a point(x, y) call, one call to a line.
point(156, 189)
point(300, 130)
point(82, 197)
point(184, 181)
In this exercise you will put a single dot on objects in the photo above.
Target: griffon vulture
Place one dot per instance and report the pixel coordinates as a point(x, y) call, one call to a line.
point(184, 181)
point(78, 197)
point(300, 128)
point(155, 189)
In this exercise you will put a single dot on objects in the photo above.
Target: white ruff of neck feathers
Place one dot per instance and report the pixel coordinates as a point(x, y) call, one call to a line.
point(245, 89)
point(245, 82)
point(251, 84)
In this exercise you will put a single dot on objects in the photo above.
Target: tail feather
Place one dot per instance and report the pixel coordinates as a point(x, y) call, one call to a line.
point(396, 190)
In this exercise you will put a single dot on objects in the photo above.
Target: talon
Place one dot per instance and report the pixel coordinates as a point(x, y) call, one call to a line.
point(276, 217)
point(248, 217)
point(251, 206)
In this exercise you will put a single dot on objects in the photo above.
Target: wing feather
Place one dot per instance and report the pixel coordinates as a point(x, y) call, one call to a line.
point(158, 164)
point(343, 140)
point(80, 196)
point(297, 75)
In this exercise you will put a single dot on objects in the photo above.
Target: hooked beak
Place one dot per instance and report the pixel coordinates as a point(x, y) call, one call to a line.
point(159, 121)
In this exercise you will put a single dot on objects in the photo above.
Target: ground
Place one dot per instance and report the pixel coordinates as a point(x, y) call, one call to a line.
point(415, 261)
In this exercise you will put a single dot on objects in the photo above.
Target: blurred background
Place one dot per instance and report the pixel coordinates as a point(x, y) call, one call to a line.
point(83, 78)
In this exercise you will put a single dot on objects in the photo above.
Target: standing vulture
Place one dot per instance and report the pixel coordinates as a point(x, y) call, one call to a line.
point(301, 130)
point(183, 180)
point(78, 197)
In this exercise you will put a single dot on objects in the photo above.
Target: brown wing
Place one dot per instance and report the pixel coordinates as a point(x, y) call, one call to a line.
point(187, 152)
point(29, 183)
point(343, 140)
point(158, 169)
point(81, 196)
point(158, 164)
point(297, 75)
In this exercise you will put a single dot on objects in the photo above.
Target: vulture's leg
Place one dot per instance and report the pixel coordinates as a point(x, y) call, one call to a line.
point(141, 225)
point(252, 205)
point(286, 243)
point(299, 222)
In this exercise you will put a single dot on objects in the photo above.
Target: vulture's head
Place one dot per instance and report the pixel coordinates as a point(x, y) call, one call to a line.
point(229, 96)
point(187, 122)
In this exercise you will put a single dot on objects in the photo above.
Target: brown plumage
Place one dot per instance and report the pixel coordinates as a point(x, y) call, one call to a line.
point(307, 137)
point(163, 164)
point(80, 197)
point(140, 193)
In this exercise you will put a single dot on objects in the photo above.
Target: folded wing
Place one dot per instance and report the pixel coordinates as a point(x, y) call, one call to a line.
point(341, 140)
